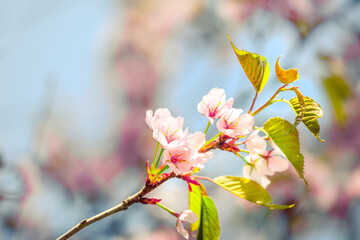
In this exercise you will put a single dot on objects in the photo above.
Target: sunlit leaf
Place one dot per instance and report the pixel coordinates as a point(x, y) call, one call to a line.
point(255, 67)
point(278, 130)
point(338, 91)
point(302, 107)
point(209, 228)
point(285, 76)
point(312, 112)
point(249, 190)
point(195, 204)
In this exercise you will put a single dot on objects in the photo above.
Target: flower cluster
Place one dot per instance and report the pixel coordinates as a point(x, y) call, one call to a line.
point(265, 150)
point(181, 149)
point(231, 123)
point(184, 153)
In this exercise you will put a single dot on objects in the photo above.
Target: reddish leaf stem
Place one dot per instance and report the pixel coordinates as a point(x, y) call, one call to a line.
point(205, 178)
point(253, 103)
point(268, 102)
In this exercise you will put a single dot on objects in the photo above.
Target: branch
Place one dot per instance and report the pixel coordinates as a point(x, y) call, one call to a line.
point(120, 207)
point(268, 102)
point(252, 105)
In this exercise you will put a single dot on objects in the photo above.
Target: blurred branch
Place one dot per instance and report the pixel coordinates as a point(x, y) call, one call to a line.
point(120, 207)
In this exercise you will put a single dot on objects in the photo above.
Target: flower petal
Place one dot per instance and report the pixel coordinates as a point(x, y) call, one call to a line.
point(180, 228)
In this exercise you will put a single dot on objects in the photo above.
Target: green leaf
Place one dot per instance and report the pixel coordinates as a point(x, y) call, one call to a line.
point(338, 91)
point(256, 67)
point(249, 190)
point(209, 228)
point(311, 113)
point(195, 204)
point(278, 130)
point(301, 108)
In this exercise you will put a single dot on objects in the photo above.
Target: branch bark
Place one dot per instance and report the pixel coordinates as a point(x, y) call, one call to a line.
point(120, 207)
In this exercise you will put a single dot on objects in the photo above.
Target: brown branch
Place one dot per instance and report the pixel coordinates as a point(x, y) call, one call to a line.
point(120, 207)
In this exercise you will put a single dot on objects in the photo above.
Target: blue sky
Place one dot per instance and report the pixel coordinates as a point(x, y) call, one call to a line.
point(48, 51)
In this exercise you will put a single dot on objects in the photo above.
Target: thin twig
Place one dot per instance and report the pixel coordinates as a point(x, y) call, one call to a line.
point(120, 207)
point(252, 105)
point(269, 101)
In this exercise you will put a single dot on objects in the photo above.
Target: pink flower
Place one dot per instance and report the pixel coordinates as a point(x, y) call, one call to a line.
point(152, 119)
point(213, 105)
point(196, 141)
point(276, 158)
point(277, 161)
point(183, 158)
point(256, 144)
point(179, 159)
point(264, 165)
point(167, 130)
point(235, 125)
point(185, 216)
point(257, 170)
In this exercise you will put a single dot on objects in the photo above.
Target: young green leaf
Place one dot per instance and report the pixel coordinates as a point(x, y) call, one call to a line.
point(301, 109)
point(256, 67)
point(195, 204)
point(285, 76)
point(278, 130)
point(249, 190)
point(312, 112)
point(209, 228)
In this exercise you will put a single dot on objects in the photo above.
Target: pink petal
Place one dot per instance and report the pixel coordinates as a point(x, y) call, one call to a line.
point(188, 216)
point(278, 163)
point(149, 116)
point(256, 144)
point(197, 140)
point(253, 174)
point(185, 216)
point(180, 228)
point(262, 167)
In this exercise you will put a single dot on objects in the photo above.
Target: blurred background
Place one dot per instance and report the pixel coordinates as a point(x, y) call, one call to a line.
point(76, 78)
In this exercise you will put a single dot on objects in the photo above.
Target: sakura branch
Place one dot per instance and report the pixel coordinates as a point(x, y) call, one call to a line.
point(262, 150)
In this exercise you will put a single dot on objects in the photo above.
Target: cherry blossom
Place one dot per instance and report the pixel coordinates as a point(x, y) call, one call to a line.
point(167, 130)
point(256, 144)
point(265, 165)
point(233, 124)
point(179, 159)
point(196, 141)
point(182, 159)
point(276, 160)
point(213, 105)
point(185, 216)
point(255, 172)
point(153, 120)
